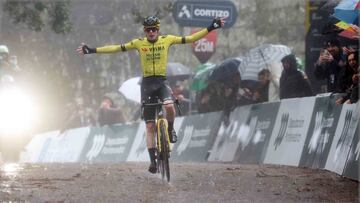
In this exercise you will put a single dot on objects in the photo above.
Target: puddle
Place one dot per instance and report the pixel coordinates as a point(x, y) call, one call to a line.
point(10, 169)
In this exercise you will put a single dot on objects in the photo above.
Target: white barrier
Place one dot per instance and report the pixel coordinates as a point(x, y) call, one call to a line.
point(311, 132)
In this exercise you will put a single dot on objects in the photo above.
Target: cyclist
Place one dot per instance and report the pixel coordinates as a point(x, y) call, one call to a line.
point(153, 51)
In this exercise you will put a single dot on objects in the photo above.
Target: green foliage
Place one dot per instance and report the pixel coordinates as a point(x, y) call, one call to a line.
point(139, 12)
point(37, 14)
point(59, 17)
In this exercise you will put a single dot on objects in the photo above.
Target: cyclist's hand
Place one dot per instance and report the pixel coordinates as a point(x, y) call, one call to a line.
point(216, 23)
point(84, 49)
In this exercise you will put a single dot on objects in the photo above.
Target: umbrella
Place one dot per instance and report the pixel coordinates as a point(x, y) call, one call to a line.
point(329, 5)
point(177, 69)
point(131, 89)
point(348, 11)
point(260, 58)
point(201, 76)
point(225, 70)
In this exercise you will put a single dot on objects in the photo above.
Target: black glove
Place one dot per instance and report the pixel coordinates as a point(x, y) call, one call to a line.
point(216, 23)
point(88, 50)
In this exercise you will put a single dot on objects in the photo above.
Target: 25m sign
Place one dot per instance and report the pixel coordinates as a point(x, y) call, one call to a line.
point(205, 47)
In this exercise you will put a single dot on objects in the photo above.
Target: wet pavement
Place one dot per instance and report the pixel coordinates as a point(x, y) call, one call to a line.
point(190, 182)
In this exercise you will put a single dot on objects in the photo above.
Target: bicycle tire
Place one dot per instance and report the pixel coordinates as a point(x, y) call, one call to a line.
point(164, 137)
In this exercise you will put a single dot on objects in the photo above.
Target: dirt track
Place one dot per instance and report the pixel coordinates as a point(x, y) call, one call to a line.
point(205, 182)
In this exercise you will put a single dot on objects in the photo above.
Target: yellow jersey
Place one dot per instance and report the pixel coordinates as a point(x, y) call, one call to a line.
point(153, 56)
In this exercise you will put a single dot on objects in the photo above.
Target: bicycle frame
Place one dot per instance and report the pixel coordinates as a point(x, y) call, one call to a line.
point(159, 117)
point(161, 124)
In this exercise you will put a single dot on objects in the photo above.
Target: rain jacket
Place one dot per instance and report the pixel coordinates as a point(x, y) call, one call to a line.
point(293, 82)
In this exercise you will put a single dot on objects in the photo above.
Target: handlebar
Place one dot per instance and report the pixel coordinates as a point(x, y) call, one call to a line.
point(161, 104)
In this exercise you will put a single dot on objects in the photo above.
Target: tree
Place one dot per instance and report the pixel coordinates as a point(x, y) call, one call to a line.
point(37, 14)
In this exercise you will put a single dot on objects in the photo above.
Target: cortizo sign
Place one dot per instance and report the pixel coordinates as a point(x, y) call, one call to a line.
point(200, 13)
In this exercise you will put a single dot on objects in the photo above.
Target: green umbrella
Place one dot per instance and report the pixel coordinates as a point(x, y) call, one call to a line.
point(201, 76)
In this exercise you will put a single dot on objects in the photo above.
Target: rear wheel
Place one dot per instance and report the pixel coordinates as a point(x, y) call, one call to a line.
point(164, 138)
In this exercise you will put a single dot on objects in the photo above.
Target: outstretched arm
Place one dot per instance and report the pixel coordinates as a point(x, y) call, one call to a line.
point(217, 23)
point(84, 49)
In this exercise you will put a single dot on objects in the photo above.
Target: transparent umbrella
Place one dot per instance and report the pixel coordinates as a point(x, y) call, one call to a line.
point(260, 58)
point(131, 89)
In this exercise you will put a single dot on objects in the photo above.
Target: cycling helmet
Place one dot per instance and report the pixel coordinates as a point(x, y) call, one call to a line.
point(4, 49)
point(151, 21)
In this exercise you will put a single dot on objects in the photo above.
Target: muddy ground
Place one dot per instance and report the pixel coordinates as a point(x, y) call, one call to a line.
point(190, 182)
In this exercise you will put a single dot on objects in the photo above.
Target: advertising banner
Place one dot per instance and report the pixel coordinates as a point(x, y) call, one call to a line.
point(229, 136)
point(196, 136)
point(290, 130)
point(139, 151)
point(260, 123)
point(109, 143)
point(200, 13)
point(344, 136)
point(321, 132)
point(352, 169)
point(65, 147)
point(36, 148)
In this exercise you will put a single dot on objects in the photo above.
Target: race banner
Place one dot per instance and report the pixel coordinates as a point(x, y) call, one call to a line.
point(290, 130)
point(64, 147)
point(229, 135)
point(322, 129)
point(35, 149)
point(352, 169)
point(196, 136)
point(260, 123)
point(109, 143)
point(139, 151)
point(344, 136)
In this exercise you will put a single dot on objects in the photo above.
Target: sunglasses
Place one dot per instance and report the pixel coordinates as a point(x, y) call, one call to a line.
point(152, 29)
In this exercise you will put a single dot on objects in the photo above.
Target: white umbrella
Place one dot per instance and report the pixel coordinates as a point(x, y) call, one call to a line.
point(131, 89)
point(260, 58)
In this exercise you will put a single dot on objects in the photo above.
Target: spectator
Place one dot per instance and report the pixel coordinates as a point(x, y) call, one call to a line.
point(180, 93)
point(293, 82)
point(346, 74)
point(219, 95)
point(248, 95)
point(8, 65)
point(268, 88)
point(350, 80)
point(78, 116)
point(209, 99)
point(352, 94)
point(108, 114)
point(329, 64)
point(357, 31)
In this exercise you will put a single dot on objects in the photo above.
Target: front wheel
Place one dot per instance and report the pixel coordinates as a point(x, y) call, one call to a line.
point(165, 152)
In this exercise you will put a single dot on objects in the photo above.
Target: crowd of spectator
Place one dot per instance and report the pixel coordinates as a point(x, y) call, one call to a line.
point(337, 65)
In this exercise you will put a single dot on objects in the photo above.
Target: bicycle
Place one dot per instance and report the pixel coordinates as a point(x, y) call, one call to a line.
point(162, 138)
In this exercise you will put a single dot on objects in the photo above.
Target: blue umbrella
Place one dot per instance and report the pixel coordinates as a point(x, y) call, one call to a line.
point(348, 11)
point(225, 70)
